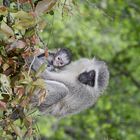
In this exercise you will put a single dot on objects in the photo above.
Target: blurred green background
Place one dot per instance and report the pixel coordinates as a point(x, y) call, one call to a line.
point(109, 30)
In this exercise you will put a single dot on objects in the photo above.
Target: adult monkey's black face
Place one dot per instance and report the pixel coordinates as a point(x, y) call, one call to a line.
point(87, 78)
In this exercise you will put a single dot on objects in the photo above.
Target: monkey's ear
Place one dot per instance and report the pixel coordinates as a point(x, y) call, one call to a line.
point(58, 49)
point(98, 62)
point(94, 59)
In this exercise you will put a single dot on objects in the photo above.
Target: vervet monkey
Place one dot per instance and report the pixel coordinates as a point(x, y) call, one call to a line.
point(56, 60)
point(74, 88)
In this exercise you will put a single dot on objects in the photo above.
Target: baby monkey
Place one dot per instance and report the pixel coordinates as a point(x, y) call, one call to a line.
point(56, 60)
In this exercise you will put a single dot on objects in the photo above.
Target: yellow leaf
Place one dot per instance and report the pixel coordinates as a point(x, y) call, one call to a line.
point(4, 28)
point(3, 10)
point(30, 131)
point(29, 120)
point(22, 15)
point(27, 79)
point(5, 66)
point(42, 24)
point(44, 6)
point(5, 86)
point(24, 20)
point(25, 102)
point(40, 83)
point(17, 130)
point(42, 96)
point(24, 24)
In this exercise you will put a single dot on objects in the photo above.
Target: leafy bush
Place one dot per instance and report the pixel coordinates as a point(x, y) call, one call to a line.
point(20, 24)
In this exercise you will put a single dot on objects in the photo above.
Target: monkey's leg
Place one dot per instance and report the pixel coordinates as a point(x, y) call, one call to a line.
point(56, 91)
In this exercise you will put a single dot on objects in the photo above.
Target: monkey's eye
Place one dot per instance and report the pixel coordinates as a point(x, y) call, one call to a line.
point(58, 58)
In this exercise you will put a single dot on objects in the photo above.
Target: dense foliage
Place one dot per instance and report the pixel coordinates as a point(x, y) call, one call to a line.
point(20, 24)
point(109, 30)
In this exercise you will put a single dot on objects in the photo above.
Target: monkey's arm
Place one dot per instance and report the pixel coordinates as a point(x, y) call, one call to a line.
point(48, 75)
point(35, 65)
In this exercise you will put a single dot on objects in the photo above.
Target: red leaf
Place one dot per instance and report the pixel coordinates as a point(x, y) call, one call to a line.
point(19, 91)
point(2, 105)
point(46, 53)
point(1, 60)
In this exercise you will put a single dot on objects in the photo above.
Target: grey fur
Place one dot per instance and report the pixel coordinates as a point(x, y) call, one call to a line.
point(66, 94)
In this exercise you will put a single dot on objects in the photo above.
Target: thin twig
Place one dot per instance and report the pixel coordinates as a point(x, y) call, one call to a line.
point(41, 40)
point(51, 31)
point(31, 65)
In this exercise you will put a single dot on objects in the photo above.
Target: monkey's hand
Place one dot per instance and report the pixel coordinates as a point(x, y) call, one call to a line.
point(34, 61)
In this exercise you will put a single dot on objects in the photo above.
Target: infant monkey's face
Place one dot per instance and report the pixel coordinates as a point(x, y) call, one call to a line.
point(60, 60)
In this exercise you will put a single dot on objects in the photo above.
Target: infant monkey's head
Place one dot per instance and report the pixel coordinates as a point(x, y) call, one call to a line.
point(62, 57)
